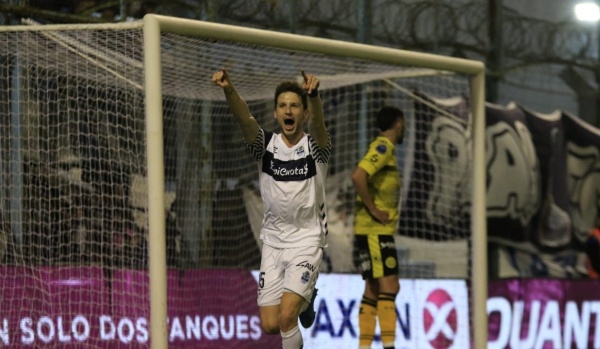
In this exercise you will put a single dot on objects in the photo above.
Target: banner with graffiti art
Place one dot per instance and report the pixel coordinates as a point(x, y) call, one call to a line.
point(527, 192)
point(583, 174)
point(438, 197)
point(543, 183)
point(513, 188)
point(551, 225)
point(528, 202)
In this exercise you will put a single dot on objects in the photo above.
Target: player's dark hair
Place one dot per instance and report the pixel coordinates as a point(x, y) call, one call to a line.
point(291, 86)
point(387, 116)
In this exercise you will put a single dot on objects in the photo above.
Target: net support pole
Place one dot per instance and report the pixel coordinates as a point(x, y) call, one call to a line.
point(364, 35)
point(206, 193)
point(479, 270)
point(16, 172)
point(157, 258)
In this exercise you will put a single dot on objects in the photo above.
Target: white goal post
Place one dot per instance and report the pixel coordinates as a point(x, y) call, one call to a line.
point(114, 124)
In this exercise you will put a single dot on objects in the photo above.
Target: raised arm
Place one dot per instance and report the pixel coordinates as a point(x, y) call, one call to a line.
point(316, 120)
point(237, 106)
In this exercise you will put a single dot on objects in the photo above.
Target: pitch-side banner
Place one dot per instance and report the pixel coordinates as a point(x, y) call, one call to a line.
point(543, 313)
point(83, 307)
point(432, 314)
point(213, 309)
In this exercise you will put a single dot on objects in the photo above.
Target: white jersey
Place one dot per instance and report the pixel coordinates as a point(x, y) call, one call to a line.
point(292, 187)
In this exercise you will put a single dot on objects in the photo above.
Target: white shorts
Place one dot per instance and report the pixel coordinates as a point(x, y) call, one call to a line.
point(287, 269)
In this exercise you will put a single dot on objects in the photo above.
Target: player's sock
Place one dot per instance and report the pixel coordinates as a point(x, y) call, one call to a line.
point(292, 339)
point(307, 317)
point(386, 311)
point(366, 322)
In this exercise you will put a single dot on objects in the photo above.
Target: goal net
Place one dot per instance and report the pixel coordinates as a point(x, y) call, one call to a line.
point(76, 165)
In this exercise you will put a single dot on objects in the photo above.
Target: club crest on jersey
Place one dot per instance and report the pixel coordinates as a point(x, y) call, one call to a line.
point(300, 151)
point(305, 277)
point(381, 148)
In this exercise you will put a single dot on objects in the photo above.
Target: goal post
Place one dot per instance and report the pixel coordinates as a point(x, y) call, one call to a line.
point(156, 183)
point(114, 135)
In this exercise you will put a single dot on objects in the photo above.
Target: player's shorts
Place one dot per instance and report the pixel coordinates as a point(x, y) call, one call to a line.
point(375, 256)
point(287, 269)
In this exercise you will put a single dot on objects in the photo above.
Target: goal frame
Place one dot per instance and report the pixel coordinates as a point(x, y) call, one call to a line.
point(153, 25)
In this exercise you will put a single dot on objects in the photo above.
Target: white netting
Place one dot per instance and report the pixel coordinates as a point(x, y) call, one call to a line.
point(73, 169)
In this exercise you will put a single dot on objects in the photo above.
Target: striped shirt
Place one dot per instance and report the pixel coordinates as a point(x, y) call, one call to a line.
point(292, 187)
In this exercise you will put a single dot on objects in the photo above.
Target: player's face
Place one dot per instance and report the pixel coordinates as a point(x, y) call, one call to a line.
point(290, 115)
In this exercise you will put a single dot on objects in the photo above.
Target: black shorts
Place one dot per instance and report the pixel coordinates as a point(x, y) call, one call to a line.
point(375, 256)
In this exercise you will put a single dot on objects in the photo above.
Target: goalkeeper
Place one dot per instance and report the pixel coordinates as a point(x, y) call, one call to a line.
point(377, 183)
point(292, 168)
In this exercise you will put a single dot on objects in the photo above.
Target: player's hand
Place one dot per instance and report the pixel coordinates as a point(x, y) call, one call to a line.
point(221, 79)
point(381, 216)
point(310, 82)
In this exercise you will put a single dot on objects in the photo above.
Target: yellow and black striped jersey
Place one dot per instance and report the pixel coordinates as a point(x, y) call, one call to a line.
point(384, 186)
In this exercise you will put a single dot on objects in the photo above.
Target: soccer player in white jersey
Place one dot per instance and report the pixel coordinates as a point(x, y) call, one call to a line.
point(292, 170)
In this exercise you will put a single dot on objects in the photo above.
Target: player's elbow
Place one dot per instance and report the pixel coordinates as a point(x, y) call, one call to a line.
point(354, 178)
point(357, 177)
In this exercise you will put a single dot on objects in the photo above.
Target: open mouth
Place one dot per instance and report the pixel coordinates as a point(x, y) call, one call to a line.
point(289, 123)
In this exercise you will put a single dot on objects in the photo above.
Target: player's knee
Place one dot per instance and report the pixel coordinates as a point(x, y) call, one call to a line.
point(269, 323)
point(389, 285)
point(270, 327)
point(394, 288)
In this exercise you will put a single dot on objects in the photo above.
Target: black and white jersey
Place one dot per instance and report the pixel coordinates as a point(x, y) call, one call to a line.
point(292, 186)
